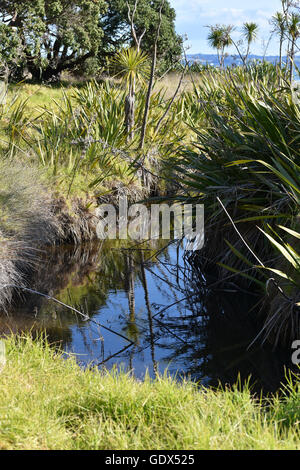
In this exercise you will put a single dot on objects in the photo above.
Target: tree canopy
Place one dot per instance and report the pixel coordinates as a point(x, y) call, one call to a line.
point(46, 37)
point(117, 28)
point(50, 36)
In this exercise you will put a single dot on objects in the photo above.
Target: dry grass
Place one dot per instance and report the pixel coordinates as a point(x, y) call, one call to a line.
point(25, 222)
point(170, 82)
point(30, 218)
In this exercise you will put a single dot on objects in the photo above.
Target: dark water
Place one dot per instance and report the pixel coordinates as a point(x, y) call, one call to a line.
point(148, 310)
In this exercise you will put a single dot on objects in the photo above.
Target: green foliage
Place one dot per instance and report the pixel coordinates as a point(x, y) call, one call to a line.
point(48, 402)
point(219, 38)
point(117, 31)
point(11, 51)
point(247, 154)
point(247, 138)
point(84, 133)
point(55, 35)
point(245, 129)
point(131, 66)
point(250, 31)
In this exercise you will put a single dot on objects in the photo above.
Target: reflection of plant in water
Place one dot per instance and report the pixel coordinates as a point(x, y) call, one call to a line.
point(149, 311)
point(83, 277)
point(217, 337)
point(207, 334)
point(131, 327)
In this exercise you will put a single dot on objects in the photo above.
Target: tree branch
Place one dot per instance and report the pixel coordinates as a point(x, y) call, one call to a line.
point(151, 81)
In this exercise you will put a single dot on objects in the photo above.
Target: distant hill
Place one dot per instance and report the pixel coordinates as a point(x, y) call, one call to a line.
point(212, 59)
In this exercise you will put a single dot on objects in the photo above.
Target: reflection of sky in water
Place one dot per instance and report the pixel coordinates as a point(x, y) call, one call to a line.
point(174, 321)
point(90, 342)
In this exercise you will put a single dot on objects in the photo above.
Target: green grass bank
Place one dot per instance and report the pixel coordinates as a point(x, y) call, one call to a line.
point(47, 402)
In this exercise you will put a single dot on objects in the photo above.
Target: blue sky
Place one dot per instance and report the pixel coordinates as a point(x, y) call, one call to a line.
point(194, 15)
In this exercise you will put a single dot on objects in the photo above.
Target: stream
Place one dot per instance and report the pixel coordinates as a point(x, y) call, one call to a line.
point(143, 309)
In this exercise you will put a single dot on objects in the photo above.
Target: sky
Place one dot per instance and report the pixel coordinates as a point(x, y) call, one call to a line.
point(194, 15)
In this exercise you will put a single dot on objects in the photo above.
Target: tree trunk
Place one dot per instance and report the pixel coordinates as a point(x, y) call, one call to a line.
point(54, 70)
point(280, 51)
point(292, 60)
point(129, 115)
point(247, 53)
point(151, 81)
point(147, 106)
point(130, 111)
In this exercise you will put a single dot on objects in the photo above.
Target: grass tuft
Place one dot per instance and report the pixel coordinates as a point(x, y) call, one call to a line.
point(48, 402)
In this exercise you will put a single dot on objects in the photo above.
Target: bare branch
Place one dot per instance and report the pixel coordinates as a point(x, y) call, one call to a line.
point(172, 100)
point(151, 81)
point(131, 16)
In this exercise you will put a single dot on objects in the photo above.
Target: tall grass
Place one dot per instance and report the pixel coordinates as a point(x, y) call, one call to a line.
point(26, 222)
point(84, 133)
point(47, 402)
point(246, 156)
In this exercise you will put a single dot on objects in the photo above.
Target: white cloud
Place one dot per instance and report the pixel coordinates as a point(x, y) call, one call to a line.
point(194, 15)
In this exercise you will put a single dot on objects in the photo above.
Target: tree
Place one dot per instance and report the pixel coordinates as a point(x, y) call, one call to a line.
point(132, 66)
point(152, 76)
point(219, 38)
point(55, 35)
point(278, 21)
point(294, 33)
point(11, 51)
point(250, 31)
point(117, 30)
point(286, 9)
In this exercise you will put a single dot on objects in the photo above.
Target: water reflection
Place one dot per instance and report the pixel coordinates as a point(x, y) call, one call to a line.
point(148, 309)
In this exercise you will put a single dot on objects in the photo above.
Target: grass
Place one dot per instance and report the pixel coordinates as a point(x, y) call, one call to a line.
point(48, 402)
point(37, 96)
point(170, 82)
point(26, 222)
point(77, 134)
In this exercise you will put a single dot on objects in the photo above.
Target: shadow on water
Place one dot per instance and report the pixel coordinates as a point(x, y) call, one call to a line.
point(152, 297)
